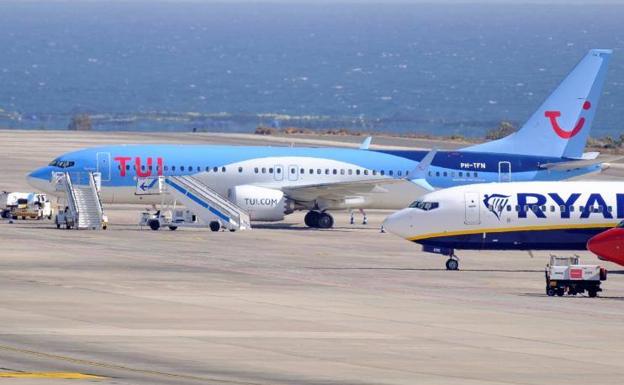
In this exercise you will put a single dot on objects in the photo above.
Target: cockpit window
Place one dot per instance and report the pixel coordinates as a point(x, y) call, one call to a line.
point(426, 206)
point(62, 163)
point(620, 225)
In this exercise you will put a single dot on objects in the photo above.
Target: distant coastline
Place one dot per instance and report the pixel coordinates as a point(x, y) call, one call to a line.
point(607, 144)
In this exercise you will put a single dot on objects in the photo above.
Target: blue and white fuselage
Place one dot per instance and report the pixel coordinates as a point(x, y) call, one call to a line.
point(306, 175)
point(270, 182)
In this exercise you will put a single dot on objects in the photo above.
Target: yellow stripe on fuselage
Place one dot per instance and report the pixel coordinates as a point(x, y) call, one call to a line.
point(512, 229)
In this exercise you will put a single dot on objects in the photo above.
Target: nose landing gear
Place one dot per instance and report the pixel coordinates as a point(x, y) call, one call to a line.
point(452, 263)
point(319, 220)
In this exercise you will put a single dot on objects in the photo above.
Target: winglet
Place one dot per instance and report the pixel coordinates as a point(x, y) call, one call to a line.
point(366, 143)
point(419, 174)
point(420, 171)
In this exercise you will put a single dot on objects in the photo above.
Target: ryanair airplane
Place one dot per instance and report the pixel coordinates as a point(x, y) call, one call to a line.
point(510, 216)
point(270, 182)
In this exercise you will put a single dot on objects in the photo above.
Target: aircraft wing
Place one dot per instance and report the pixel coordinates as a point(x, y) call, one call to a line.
point(341, 190)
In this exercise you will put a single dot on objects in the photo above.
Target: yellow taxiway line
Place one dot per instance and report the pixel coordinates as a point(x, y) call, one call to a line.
point(56, 375)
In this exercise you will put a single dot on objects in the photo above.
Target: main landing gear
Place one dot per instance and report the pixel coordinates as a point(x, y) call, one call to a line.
point(319, 220)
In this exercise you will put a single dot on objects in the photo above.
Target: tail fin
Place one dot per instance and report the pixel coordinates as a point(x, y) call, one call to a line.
point(560, 127)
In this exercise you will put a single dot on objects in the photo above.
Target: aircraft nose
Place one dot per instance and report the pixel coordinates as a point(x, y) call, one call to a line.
point(400, 223)
point(40, 179)
point(608, 245)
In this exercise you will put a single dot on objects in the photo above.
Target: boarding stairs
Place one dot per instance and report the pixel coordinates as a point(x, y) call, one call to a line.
point(204, 202)
point(82, 193)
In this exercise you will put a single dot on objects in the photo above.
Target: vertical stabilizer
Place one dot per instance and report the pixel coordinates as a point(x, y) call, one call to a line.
point(561, 126)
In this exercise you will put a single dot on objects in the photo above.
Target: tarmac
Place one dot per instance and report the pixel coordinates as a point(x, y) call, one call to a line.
point(281, 304)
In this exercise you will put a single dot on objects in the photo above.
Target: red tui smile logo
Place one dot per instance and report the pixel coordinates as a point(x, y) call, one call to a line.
point(553, 115)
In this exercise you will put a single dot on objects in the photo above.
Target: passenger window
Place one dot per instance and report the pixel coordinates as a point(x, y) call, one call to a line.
point(215, 169)
point(256, 170)
point(610, 208)
point(166, 168)
point(312, 171)
point(581, 208)
point(222, 169)
point(365, 172)
point(399, 173)
point(452, 174)
point(278, 170)
point(326, 171)
point(374, 172)
point(264, 170)
point(508, 207)
point(172, 168)
point(270, 170)
point(391, 172)
point(302, 171)
point(562, 208)
point(444, 174)
point(476, 174)
point(571, 209)
point(335, 171)
point(240, 169)
point(181, 168)
point(318, 171)
point(350, 172)
point(342, 171)
point(357, 172)
point(437, 173)
point(552, 209)
point(381, 172)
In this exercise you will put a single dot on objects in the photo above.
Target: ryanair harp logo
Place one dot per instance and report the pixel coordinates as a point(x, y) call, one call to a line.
point(496, 203)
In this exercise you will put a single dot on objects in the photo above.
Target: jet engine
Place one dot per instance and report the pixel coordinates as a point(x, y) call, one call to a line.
point(261, 203)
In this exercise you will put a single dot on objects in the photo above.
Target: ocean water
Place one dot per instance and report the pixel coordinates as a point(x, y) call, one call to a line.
point(426, 69)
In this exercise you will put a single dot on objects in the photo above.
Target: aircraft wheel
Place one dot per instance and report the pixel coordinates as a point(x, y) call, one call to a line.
point(560, 292)
point(325, 221)
point(154, 224)
point(311, 219)
point(452, 264)
point(592, 293)
point(58, 225)
point(215, 226)
point(550, 292)
point(173, 228)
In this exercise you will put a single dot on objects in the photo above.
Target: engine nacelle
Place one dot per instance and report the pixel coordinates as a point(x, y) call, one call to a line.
point(262, 204)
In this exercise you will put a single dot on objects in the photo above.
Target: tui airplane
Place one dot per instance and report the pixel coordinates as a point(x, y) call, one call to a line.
point(271, 182)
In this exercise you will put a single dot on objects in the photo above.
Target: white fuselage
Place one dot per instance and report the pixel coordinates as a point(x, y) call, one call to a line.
point(523, 215)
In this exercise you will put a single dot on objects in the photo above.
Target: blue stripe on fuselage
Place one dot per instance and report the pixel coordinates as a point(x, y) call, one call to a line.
point(555, 239)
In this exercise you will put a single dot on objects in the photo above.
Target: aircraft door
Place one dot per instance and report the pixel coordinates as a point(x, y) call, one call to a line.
point(472, 215)
point(293, 172)
point(278, 172)
point(504, 171)
point(104, 165)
